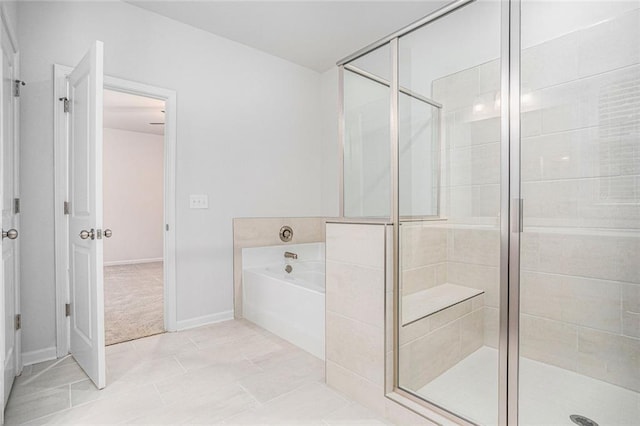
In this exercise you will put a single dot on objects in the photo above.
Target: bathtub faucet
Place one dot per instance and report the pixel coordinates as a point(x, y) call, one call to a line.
point(289, 255)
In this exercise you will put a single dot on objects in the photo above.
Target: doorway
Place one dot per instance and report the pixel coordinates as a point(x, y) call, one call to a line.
point(164, 271)
point(133, 182)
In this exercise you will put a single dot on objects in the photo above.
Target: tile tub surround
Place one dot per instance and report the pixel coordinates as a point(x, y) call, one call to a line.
point(261, 232)
point(227, 373)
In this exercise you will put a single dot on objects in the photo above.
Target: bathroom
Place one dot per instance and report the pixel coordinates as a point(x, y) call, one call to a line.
point(446, 234)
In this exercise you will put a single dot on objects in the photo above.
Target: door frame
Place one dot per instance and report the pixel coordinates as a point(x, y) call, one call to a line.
point(61, 173)
point(12, 42)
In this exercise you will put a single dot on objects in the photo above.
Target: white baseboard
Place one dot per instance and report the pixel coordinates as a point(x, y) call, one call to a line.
point(204, 320)
point(132, 262)
point(41, 355)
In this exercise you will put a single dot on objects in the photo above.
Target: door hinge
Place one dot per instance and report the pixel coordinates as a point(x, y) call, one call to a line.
point(66, 207)
point(16, 205)
point(66, 103)
point(18, 322)
point(16, 87)
point(67, 309)
point(166, 227)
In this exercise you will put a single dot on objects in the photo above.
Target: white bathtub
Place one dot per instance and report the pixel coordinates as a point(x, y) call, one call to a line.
point(290, 305)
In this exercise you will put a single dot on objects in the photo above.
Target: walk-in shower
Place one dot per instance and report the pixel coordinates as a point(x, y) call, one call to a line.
point(502, 142)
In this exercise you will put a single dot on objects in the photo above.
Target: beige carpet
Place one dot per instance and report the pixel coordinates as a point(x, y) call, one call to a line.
point(133, 301)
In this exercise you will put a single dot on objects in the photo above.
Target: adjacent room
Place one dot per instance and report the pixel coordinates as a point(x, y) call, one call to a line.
point(133, 179)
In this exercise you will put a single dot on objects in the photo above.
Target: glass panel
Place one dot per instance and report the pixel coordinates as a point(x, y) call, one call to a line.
point(419, 157)
point(367, 177)
point(580, 182)
point(449, 268)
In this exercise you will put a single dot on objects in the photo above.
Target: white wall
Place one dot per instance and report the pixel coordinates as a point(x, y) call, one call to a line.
point(133, 184)
point(248, 136)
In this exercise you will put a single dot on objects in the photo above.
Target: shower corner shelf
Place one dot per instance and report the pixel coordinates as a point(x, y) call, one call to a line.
point(427, 302)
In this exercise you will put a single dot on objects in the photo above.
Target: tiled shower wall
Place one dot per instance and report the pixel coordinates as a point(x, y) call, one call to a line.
point(581, 187)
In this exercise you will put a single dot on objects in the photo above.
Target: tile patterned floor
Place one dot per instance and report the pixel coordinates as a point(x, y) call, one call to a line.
point(228, 373)
point(133, 301)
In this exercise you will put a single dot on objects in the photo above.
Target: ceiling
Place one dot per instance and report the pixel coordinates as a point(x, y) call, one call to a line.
point(314, 34)
point(131, 112)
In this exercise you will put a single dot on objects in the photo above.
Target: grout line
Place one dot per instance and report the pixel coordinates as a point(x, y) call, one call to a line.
point(377, 328)
point(162, 399)
point(36, 375)
point(179, 363)
point(357, 375)
point(46, 415)
point(340, 262)
point(70, 397)
point(262, 370)
point(198, 347)
point(260, 404)
point(537, 271)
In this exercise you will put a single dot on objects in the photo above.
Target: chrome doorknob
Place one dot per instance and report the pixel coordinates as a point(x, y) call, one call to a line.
point(87, 234)
point(11, 234)
point(108, 233)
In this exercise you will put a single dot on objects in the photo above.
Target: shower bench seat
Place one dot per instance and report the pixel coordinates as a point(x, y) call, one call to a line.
point(427, 302)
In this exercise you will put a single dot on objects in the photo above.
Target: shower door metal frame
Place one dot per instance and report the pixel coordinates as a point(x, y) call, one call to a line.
point(510, 210)
point(511, 215)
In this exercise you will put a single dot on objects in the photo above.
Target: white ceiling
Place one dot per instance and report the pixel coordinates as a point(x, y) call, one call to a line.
point(131, 112)
point(314, 34)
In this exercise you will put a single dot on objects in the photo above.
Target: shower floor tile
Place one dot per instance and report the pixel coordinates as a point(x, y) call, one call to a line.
point(548, 396)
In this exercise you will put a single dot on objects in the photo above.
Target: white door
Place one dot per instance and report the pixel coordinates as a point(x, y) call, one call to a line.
point(85, 87)
point(9, 217)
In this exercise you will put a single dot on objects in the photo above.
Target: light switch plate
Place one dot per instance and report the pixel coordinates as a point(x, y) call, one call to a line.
point(198, 201)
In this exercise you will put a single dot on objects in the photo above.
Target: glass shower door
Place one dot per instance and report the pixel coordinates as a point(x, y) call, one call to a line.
point(449, 118)
point(580, 183)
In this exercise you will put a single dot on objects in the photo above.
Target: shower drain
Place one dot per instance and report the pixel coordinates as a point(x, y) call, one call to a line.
point(582, 420)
